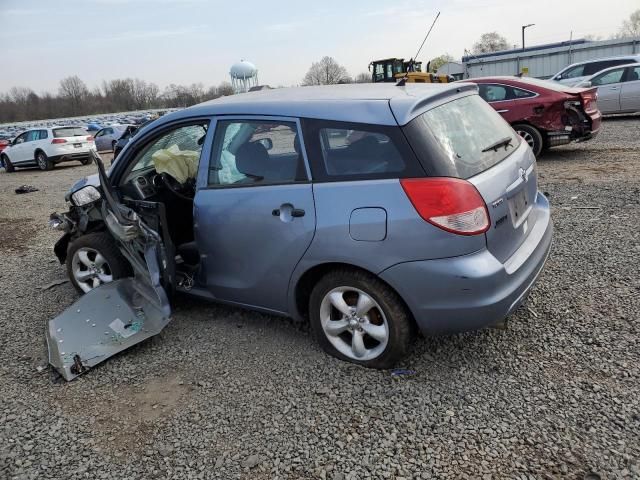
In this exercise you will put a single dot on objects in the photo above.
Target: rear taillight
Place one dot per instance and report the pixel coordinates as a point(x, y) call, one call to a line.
point(89, 138)
point(451, 204)
point(58, 140)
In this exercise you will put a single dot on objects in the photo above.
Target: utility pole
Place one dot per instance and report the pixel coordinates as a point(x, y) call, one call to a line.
point(523, 28)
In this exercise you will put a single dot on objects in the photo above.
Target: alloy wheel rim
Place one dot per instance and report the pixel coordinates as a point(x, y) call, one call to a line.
point(90, 269)
point(527, 137)
point(42, 162)
point(354, 323)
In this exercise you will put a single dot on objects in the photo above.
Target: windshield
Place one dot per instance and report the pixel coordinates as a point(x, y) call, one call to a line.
point(461, 138)
point(69, 132)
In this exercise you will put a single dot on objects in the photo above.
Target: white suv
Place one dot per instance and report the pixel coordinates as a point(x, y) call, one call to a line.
point(44, 147)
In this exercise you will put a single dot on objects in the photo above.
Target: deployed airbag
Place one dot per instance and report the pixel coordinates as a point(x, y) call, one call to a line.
point(180, 164)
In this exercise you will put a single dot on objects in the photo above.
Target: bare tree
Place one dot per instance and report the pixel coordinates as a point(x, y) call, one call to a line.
point(490, 42)
point(325, 72)
point(225, 89)
point(363, 77)
point(436, 63)
point(74, 91)
point(630, 28)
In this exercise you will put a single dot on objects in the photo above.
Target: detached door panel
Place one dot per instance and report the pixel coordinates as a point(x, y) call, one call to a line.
point(256, 218)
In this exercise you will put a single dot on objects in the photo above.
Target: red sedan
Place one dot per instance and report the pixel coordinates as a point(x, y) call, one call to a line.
point(546, 114)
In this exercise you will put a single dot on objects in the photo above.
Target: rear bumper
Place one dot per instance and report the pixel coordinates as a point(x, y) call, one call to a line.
point(70, 157)
point(472, 291)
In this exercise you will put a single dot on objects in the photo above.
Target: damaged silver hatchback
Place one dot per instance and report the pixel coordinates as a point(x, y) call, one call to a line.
point(370, 211)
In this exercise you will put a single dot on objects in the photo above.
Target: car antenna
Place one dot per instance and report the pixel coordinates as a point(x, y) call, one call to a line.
point(412, 61)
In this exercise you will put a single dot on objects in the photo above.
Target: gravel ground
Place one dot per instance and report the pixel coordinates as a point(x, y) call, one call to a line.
point(224, 393)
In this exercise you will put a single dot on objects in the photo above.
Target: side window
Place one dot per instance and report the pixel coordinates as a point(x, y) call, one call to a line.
point(108, 131)
point(614, 76)
point(493, 93)
point(633, 74)
point(519, 93)
point(577, 71)
point(176, 150)
point(21, 138)
point(256, 152)
point(358, 152)
point(43, 135)
point(33, 135)
point(99, 134)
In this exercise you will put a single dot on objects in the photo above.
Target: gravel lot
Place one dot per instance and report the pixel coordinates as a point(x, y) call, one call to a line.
point(224, 393)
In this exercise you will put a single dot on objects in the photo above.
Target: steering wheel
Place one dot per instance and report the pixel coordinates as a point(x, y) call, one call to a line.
point(184, 191)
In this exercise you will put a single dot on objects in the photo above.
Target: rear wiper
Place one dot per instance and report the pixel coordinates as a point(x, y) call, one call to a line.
point(505, 142)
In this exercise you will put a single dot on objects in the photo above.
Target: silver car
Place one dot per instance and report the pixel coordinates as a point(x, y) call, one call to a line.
point(577, 72)
point(618, 89)
point(107, 137)
point(370, 211)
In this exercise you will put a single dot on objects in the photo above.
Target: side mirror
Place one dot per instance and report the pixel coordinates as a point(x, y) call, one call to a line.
point(266, 143)
point(587, 84)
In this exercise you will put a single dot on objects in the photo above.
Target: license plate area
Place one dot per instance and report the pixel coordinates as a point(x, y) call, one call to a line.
point(519, 207)
point(77, 145)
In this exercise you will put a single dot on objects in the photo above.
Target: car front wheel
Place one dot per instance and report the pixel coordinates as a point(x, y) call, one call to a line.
point(358, 318)
point(94, 259)
point(8, 166)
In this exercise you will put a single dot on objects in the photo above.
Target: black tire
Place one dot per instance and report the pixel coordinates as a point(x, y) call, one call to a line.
point(43, 161)
point(8, 166)
point(113, 146)
point(400, 325)
point(86, 161)
point(532, 136)
point(105, 244)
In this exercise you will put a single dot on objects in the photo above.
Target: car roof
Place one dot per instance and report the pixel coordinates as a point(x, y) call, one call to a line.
point(635, 56)
point(376, 103)
point(528, 83)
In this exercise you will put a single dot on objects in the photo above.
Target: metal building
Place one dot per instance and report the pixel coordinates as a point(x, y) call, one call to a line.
point(543, 61)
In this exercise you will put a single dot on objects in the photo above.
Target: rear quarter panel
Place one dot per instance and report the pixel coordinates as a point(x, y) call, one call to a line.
point(408, 237)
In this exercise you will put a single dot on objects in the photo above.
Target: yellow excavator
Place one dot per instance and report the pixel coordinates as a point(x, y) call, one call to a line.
point(395, 69)
point(401, 72)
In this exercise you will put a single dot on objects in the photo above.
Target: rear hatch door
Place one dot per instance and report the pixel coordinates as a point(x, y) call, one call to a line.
point(118, 315)
point(75, 137)
point(465, 138)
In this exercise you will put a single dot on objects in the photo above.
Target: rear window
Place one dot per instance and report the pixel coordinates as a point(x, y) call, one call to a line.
point(69, 132)
point(356, 151)
point(461, 138)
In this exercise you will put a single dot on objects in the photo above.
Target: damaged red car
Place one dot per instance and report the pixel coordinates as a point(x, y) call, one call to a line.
point(546, 114)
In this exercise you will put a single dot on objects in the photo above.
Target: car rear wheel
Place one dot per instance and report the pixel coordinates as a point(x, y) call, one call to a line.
point(93, 260)
point(8, 166)
point(532, 136)
point(86, 161)
point(43, 161)
point(357, 318)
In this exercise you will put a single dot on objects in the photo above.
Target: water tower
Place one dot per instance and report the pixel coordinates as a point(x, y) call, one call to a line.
point(244, 75)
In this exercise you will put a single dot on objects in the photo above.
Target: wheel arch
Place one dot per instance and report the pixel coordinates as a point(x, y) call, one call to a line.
point(307, 280)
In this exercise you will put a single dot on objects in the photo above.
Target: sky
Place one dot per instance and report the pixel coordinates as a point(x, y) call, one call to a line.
point(197, 41)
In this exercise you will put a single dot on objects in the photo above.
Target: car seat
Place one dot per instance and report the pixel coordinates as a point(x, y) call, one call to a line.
point(252, 160)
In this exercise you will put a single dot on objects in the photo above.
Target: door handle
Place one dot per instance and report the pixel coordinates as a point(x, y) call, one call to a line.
point(288, 210)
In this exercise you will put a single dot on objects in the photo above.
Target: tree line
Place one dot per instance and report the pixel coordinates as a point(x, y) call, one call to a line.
point(74, 98)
